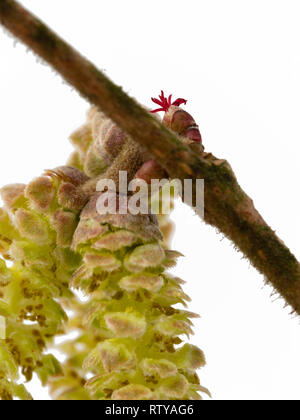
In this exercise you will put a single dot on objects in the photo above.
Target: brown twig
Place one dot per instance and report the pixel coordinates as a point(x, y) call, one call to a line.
point(227, 207)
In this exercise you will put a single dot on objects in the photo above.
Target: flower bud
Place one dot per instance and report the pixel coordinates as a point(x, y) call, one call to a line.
point(176, 119)
point(180, 121)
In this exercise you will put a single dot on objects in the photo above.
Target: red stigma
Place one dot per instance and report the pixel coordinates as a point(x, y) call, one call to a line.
point(165, 103)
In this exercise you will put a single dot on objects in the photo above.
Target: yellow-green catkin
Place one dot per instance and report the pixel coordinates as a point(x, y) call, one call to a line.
point(130, 336)
point(129, 307)
point(139, 352)
point(97, 143)
point(36, 230)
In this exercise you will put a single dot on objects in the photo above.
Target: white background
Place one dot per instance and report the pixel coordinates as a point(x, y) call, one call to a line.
point(238, 64)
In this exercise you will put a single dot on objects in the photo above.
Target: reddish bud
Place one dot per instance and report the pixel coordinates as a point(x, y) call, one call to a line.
point(177, 119)
point(182, 123)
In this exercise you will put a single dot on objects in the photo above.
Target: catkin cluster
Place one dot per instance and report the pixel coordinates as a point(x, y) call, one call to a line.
point(129, 336)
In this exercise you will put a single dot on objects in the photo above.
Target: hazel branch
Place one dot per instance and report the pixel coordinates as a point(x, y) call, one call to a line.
point(227, 207)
